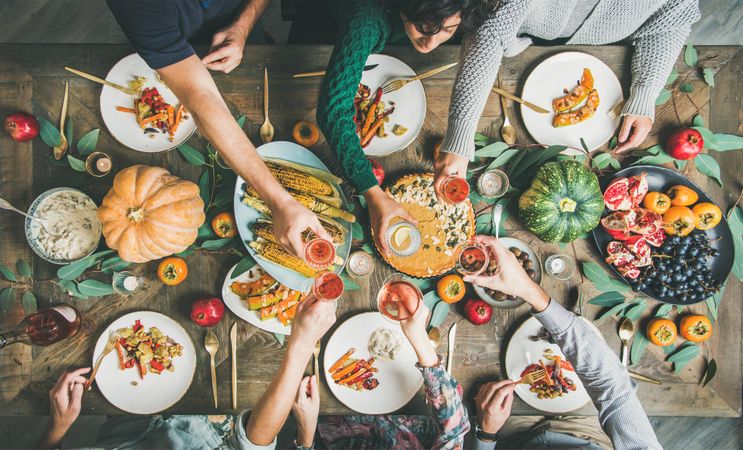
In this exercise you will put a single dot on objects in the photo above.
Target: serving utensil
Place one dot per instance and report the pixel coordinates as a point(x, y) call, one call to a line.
point(395, 85)
point(4, 204)
point(434, 335)
point(60, 149)
point(626, 330)
point(641, 377)
point(507, 131)
point(212, 345)
point(532, 377)
point(616, 110)
point(316, 356)
point(233, 348)
point(112, 335)
point(320, 73)
point(528, 104)
point(87, 76)
point(450, 350)
point(266, 130)
point(497, 214)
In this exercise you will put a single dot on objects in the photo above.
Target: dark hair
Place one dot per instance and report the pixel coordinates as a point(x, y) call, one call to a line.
point(433, 13)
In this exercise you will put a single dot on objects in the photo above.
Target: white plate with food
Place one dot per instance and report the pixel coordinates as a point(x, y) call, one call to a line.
point(123, 118)
point(529, 261)
point(127, 389)
point(555, 78)
point(409, 105)
point(257, 298)
point(530, 344)
point(395, 381)
point(253, 225)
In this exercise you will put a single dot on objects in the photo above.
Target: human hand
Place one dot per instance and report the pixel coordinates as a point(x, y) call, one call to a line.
point(306, 409)
point(446, 165)
point(313, 319)
point(226, 50)
point(493, 402)
point(510, 277)
point(290, 220)
point(65, 401)
point(414, 329)
point(382, 209)
point(640, 127)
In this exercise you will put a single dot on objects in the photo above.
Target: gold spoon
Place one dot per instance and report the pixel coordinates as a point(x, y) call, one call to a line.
point(212, 345)
point(434, 335)
point(507, 131)
point(60, 150)
point(266, 130)
point(626, 330)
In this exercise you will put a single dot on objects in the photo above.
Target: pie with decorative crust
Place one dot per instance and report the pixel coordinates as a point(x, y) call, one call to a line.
point(442, 226)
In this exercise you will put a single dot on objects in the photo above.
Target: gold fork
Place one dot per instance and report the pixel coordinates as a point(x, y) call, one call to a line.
point(106, 350)
point(616, 110)
point(394, 85)
point(532, 377)
point(316, 353)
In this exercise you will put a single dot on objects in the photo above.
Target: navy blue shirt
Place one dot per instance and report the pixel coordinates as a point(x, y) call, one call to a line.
point(162, 30)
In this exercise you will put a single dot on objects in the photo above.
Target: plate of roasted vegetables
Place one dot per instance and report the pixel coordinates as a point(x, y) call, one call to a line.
point(579, 90)
point(256, 297)
point(151, 365)
point(152, 120)
point(531, 349)
point(310, 182)
point(369, 365)
point(386, 123)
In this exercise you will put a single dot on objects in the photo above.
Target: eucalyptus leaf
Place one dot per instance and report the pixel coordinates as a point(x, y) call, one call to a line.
point(115, 264)
point(430, 299)
point(187, 252)
point(440, 311)
point(612, 311)
point(672, 77)
point(205, 231)
point(686, 352)
point(698, 121)
point(503, 158)
point(69, 132)
point(607, 299)
point(224, 198)
point(241, 120)
point(95, 288)
point(735, 221)
point(654, 150)
point(348, 283)
point(613, 143)
point(190, 154)
point(583, 144)
point(654, 159)
point(710, 140)
point(708, 166)
point(22, 267)
point(75, 163)
point(663, 310)
point(484, 223)
point(215, 244)
point(690, 56)
point(663, 97)
point(636, 311)
point(7, 273)
point(709, 76)
point(357, 232)
point(639, 344)
point(594, 272)
point(481, 138)
point(71, 288)
point(368, 248)
point(246, 263)
point(7, 295)
point(492, 150)
point(75, 269)
point(204, 188)
point(279, 337)
point(424, 284)
point(710, 372)
point(680, 164)
point(88, 142)
point(724, 142)
point(601, 161)
point(49, 133)
point(614, 163)
point(712, 307)
point(29, 302)
point(686, 88)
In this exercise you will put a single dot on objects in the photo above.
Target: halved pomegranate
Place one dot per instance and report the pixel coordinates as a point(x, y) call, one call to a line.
point(629, 272)
point(638, 188)
point(646, 221)
point(656, 239)
point(619, 224)
point(626, 192)
point(638, 246)
point(614, 247)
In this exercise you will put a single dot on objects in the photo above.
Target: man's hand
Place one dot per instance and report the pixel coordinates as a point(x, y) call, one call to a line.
point(414, 329)
point(313, 319)
point(640, 127)
point(65, 401)
point(306, 409)
point(382, 209)
point(510, 278)
point(226, 50)
point(446, 165)
point(290, 220)
point(493, 402)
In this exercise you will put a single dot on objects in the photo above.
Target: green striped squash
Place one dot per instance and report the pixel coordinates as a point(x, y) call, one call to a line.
point(563, 202)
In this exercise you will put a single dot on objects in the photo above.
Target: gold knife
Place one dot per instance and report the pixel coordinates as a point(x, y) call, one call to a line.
point(233, 348)
point(450, 350)
point(645, 378)
point(529, 105)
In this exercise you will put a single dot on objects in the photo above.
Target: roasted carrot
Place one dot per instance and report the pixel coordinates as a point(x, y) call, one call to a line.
point(126, 110)
point(178, 118)
point(372, 131)
point(346, 370)
point(349, 379)
point(371, 113)
point(155, 118)
point(341, 360)
point(171, 115)
point(547, 378)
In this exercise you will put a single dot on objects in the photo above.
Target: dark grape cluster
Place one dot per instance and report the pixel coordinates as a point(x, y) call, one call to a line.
point(681, 270)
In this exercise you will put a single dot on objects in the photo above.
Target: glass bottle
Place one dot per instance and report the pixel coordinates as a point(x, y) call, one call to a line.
point(44, 327)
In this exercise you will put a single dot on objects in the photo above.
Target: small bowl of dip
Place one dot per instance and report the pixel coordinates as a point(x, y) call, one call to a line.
point(72, 230)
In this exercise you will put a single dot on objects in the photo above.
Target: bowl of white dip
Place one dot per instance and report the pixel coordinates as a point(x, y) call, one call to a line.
point(71, 228)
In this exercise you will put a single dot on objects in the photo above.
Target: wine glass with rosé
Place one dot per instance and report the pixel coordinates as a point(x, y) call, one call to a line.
point(472, 259)
point(456, 189)
point(399, 298)
point(319, 253)
point(328, 287)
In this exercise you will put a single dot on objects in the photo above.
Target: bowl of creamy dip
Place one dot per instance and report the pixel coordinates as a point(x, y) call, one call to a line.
point(71, 228)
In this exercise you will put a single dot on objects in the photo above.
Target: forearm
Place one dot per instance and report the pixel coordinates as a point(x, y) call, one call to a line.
point(52, 437)
point(621, 415)
point(273, 408)
point(443, 393)
point(250, 14)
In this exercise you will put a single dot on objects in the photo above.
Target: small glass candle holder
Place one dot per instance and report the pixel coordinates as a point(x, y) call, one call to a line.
point(126, 283)
point(560, 266)
point(403, 238)
point(98, 164)
point(493, 183)
point(360, 264)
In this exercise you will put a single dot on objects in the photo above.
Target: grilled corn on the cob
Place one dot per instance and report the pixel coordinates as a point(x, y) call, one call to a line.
point(307, 200)
point(275, 253)
point(299, 181)
point(264, 229)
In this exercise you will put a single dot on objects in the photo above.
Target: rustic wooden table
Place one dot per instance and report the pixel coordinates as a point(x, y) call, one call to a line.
point(32, 79)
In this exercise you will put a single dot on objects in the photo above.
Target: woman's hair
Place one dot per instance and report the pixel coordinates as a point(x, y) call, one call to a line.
point(434, 12)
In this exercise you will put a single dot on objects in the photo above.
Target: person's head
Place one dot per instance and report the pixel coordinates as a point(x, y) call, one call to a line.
point(430, 23)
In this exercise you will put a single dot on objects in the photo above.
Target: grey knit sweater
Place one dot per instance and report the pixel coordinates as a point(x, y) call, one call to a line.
point(656, 28)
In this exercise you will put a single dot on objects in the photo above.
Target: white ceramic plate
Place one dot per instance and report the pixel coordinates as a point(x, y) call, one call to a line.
point(154, 393)
point(410, 103)
point(521, 352)
point(245, 215)
point(509, 242)
point(240, 308)
point(399, 380)
point(123, 126)
point(547, 81)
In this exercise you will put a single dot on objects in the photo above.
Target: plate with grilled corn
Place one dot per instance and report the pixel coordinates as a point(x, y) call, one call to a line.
point(310, 182)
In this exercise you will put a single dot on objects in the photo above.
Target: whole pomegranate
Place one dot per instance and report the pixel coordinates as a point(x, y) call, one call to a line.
point(22, 126)
point(207, 312)
point(685, 143)
point(378, 170)
point(477, 311)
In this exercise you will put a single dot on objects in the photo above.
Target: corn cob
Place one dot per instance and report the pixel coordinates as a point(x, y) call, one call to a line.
point(264, 229)
point(300, 181)
point(310, 202)
point(276, 254)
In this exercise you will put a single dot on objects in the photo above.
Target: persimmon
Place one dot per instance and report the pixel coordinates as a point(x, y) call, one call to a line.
point(451, 288)
point(224, 225)
point(681, 195)
point(661, 332)
point(306, 133)
point(679, 221)
point(657, 202)
point(172, 271)
point(708, 215)
point(695, 328)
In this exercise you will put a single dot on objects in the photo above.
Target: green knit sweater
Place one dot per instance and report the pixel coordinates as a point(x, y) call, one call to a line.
point(363, 28)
